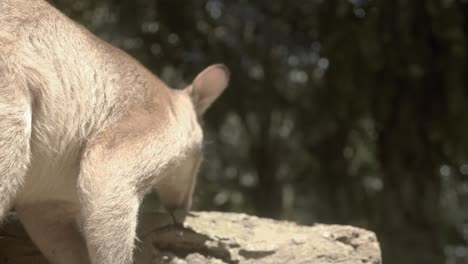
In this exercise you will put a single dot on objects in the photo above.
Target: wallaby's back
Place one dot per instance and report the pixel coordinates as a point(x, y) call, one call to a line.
point(82, 81)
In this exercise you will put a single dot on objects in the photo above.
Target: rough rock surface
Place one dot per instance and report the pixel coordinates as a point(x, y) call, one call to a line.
point(218, 238)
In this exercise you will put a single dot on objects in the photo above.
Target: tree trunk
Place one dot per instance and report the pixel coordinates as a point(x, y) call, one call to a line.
point(409, 214)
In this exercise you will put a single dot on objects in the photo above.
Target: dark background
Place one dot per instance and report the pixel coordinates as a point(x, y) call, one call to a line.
point(338, 111)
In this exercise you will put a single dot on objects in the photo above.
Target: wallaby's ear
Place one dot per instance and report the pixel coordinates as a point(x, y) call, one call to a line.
point(208, 86)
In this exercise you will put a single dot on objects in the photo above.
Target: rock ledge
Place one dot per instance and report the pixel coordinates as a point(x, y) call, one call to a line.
point(218, 238)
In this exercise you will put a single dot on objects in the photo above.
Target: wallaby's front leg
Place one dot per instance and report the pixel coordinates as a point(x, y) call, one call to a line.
point(109, 220)
point(52, 227)
point(109, 210)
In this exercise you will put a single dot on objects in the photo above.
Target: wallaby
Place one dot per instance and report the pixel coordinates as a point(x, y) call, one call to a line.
point(86, 131)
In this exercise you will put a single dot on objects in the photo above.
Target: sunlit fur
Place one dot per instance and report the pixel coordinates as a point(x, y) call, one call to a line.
point(86, 131)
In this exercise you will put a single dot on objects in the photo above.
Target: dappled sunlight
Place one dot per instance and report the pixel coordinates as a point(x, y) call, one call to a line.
point(346, 112)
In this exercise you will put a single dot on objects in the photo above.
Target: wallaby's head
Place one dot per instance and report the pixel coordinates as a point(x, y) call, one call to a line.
point(176, 190)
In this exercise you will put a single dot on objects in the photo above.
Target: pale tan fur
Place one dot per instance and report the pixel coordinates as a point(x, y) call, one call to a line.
point(86, 131)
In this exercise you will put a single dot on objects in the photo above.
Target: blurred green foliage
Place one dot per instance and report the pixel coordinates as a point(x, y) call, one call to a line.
point(339, 111)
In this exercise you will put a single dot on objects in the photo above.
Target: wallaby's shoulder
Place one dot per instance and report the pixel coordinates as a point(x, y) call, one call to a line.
point(28, 25)
point(34, 32)
point(38, 22)
point(15, 15)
